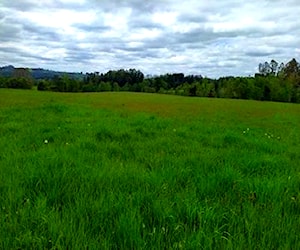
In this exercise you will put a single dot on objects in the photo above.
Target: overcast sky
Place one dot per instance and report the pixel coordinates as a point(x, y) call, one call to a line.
point(209, 37)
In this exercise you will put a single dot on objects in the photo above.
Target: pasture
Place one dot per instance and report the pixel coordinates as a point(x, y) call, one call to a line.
point(147, 171)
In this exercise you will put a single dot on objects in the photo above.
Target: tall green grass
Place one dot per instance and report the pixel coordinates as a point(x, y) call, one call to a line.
point(142, 171)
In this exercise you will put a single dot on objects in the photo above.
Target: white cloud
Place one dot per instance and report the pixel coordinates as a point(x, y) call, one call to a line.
point(60, 19)
point(143, 34)
point(214, 38)
point(164, 18)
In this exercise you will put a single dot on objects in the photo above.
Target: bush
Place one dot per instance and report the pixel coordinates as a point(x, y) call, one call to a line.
point(43, 85)
point(19, 83)
point(89, 88)
point(3, 81)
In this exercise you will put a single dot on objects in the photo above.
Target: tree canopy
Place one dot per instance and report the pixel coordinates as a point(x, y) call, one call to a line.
point(274, 82)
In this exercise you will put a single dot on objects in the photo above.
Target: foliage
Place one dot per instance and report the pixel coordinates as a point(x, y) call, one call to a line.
point(20, 79)
point(274, 82)
point(19, 83)
point(3, 81)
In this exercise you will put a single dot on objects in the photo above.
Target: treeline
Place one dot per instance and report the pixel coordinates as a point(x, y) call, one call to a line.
point(273, 82)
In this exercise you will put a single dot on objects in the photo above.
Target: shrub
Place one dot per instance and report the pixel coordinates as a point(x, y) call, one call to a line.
point(19, 83)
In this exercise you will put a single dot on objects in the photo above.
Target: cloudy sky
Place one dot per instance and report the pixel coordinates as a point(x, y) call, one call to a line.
point(209, 37)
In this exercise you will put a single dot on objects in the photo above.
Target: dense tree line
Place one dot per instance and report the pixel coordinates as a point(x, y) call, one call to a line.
point(273, 82)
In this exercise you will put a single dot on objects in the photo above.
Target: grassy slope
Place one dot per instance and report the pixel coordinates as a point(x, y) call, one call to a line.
point(128, 170)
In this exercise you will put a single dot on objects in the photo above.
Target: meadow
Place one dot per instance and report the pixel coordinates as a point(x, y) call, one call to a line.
point(147, 171)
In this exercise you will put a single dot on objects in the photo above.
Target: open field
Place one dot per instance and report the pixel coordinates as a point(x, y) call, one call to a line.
point(147, 171)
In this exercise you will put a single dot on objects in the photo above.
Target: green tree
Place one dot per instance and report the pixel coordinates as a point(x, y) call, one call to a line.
point(43, 85)
point(205, 88)
point(3, 81)
point(104, 86)
point(291, 76)
point(159, 83)
point(19, 83)
point(115, 86)
point(264, 68)
point(21, 78)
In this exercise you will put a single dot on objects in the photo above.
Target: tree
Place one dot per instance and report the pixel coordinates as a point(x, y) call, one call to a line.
point(21, 78)
point(264, 68)
point(159, 83)
point(292, 69)
point(3, 81)
point(19, 83)
point(268, 68)
point(104, 86)
point(280, 69)
point(43, 85)
point(21, 73)
point(115, 86)
point(274, 66)
point(291, 75)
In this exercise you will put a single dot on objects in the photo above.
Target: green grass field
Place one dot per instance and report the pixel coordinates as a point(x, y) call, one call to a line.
point(147, 171)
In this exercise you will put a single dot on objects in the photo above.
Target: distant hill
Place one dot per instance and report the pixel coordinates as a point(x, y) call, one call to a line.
point(39, 73)
point(6, 71)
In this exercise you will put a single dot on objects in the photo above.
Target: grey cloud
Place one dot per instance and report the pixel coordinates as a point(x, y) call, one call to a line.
point(74, 53)
point(24, 5)
point(193, 18)
point(137, 6)
point(125, 48)
point(2, 16)
point(8, 50)
point(9, 32)
point(148, 53)
point(28, 5)
point(67, 5)
point(261, 53)
point(198, 35)
point(179, 42)
point(22, 55)
point(143, 22)
point(91, 27)
point(231, 50)
point(14, 30)
point(34, 56)
point(79, 56)
point(40, 33)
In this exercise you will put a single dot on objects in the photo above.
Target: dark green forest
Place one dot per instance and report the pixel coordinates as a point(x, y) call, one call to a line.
point(272, 82)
